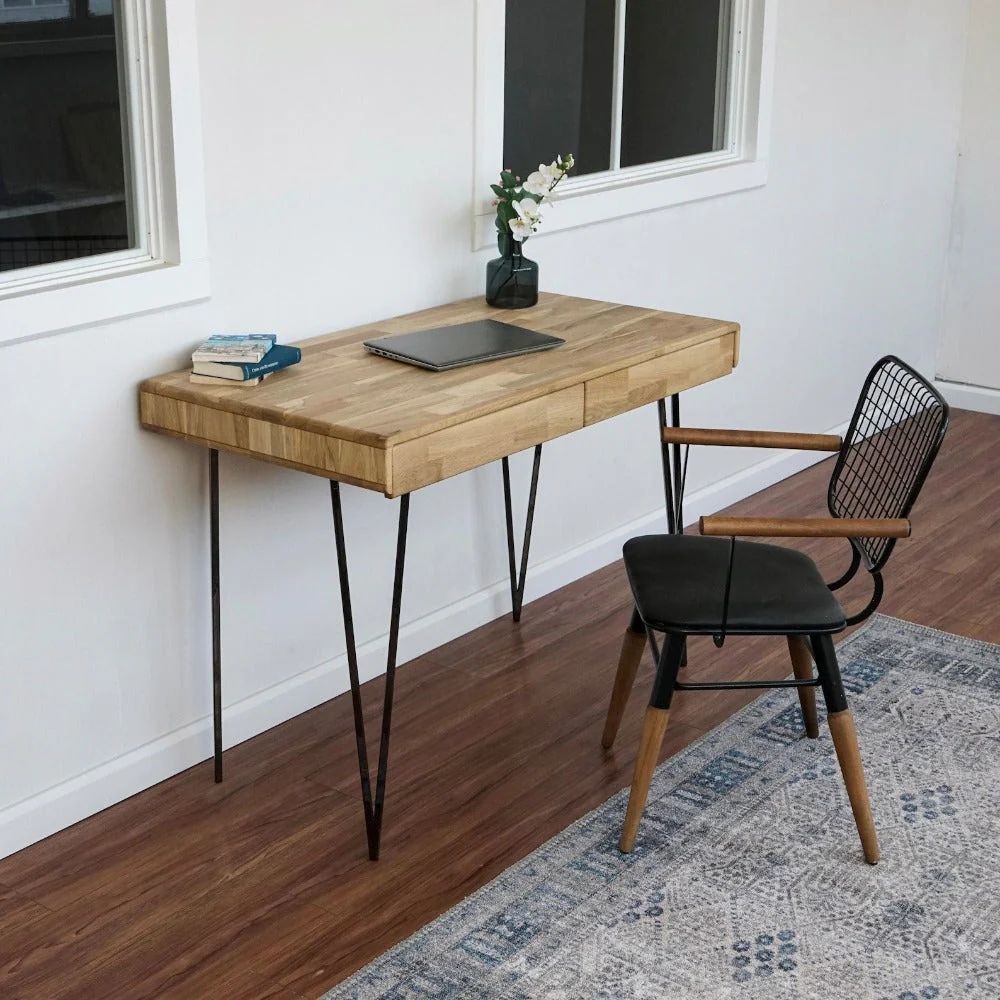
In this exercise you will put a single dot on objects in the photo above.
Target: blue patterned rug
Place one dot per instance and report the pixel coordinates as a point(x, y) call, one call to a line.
point(747, 879)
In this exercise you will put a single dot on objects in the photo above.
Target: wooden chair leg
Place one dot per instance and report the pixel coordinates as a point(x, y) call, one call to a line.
point(802, 664)
point(633, 646)
point(845, 741)
point(653, 729)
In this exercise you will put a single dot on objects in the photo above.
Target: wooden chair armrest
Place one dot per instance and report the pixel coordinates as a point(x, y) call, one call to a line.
point(807, 527)
point(752, 439)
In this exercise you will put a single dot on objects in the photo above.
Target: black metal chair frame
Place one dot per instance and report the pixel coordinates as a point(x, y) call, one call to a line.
point(873, 552)
point(874, 477)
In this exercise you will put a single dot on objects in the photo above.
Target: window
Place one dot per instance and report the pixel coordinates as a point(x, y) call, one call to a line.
point(101, 177)
point(654, 91)
point(661, 101)
point(64, 149)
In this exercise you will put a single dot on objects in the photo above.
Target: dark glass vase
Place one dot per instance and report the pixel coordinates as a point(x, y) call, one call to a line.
point(511, 279)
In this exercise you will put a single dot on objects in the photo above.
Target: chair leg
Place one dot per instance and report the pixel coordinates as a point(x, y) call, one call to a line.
point(802, 664)
point(653, 729)
point(845, 741)
point(633, 646)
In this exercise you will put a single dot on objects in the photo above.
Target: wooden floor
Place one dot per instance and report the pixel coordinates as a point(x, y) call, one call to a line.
point(260, 887)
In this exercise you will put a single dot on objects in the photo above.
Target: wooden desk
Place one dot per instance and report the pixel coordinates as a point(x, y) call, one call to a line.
point(353, 417)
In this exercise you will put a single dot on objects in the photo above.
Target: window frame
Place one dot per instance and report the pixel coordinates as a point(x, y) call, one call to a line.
point(169, 265)
point(740, 165)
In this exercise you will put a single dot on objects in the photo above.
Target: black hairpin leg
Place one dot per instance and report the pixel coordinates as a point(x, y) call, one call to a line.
point(674, 481)
point(213, 521)
point(518, 577)
point(668, 484)
point(373, 805)
point(674, 466)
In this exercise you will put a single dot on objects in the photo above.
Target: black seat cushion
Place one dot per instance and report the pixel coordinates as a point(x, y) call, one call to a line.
point(679, 582)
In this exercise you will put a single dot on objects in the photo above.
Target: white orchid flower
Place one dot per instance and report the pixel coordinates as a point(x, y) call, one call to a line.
point(537, 183)
point(552, 172)
point(520, 229)
point(527, 211)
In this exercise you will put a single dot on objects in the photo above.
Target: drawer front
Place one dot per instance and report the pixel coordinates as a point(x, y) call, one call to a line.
point(644, 383)
point(446, 453)
point(316, 453)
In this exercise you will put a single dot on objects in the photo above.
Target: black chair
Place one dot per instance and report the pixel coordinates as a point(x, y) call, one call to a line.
point(689, 585)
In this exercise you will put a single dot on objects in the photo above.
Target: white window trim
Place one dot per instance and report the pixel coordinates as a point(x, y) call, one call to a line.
point(172, 266)
point(741, 165)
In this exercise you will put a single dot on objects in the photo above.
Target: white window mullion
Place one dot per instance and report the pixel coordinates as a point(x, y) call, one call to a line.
point(123, 23)
point(738, 70)
point(618, 84)
point(725, 58)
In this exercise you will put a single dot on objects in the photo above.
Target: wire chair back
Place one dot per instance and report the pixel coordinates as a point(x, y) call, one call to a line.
point(889, 448)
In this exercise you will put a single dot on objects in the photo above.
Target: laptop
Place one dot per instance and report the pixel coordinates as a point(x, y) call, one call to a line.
point(450, 347)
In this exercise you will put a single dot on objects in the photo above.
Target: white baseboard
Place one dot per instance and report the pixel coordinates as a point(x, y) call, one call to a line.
point(970, 397)
point(54, 809)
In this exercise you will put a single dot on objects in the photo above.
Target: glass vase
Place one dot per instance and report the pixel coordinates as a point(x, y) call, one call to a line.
point(511, 279)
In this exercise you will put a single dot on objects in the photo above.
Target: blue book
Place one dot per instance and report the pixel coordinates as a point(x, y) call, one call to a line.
point(280, 356)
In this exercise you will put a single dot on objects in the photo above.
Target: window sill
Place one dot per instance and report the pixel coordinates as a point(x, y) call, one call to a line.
point(586, 207)
point(147, 287)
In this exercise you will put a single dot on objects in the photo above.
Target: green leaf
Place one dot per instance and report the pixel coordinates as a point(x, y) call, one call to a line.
point(499, 191)
point(507, 179)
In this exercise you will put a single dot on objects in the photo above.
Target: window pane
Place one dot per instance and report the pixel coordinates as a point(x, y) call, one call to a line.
point(63, 191)
point(33, 10)
point(558, 85)
point(675, 79)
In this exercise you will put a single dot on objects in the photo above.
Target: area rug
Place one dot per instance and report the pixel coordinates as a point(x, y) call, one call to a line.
point(747, 879)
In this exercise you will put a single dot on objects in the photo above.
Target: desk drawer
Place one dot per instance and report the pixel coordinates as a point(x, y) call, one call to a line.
point(437, 456)
point(644, 383)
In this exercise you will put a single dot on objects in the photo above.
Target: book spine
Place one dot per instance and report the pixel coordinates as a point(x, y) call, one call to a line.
point(289, 356)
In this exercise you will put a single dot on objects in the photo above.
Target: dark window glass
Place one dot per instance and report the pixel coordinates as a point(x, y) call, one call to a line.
point(674, 86)
point(558, 83)
point(63, 176)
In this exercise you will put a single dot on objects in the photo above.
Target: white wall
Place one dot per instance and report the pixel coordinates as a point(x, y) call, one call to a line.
point(970, 348)
point(339, 155)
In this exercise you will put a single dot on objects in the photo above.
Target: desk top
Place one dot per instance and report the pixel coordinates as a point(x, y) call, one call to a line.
point(370, 407)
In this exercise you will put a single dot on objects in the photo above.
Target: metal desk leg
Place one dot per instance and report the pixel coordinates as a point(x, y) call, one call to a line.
point(373, 806)
point(517, 579)
point(213, 518)
point(668, 485)
point(674, 466)
point(674, 480)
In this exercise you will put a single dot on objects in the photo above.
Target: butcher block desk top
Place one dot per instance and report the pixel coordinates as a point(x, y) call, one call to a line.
point(348, 415)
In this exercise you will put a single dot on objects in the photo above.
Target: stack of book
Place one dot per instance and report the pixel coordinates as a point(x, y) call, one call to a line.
point(241, 358)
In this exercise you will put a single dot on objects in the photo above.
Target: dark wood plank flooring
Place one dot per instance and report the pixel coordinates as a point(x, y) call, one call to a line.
point(260, 887)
